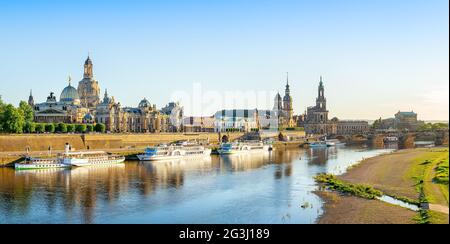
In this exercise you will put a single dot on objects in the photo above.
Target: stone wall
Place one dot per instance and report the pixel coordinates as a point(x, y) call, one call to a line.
point(41, 142)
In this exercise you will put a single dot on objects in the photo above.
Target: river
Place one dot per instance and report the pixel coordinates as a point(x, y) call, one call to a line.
point(275, 187)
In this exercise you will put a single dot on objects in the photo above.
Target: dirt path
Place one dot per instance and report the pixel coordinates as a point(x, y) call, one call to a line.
point(353, 210)
point(386, 172)
point(439, 208)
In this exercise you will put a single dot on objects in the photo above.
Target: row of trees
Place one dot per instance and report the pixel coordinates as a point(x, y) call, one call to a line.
point(433, 126)
point(63, 128)
point(14, 120)
point(20, 120)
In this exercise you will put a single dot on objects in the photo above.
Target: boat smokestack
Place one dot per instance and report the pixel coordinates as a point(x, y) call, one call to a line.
point(66, 148)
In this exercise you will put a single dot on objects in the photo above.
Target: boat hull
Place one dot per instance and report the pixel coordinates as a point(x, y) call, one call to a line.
point(86, 162)
point(244, 151)
point(143, 157)
point(20, 166)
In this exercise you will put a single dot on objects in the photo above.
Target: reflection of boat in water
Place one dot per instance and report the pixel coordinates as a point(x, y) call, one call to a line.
point(243, 147)
point(40, 164)
point(89, 158)
point(246, 161)
point(96, 169)
point(176, 151)
point(318, 144)
point(326, 143)
point(41, 171)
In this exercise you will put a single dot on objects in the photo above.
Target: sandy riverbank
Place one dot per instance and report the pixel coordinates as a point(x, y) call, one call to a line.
point(394, 174)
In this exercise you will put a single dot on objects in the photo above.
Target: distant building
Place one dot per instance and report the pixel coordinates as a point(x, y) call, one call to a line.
point(316, 119)
point(198, 124)
point(241, 119)
point(88, 88)
point(67, 110)
point(83, 105)
point(174, 113)
point(401, 121)
point(31, 99)
point(283, 107)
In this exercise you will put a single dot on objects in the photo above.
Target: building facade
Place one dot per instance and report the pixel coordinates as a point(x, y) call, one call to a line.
point(83, 105)
point(88, 88)
point(67, 110)
point(283, 107)
point(316, 119)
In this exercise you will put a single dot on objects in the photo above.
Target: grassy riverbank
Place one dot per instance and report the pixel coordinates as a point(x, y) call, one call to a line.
point(403, 174)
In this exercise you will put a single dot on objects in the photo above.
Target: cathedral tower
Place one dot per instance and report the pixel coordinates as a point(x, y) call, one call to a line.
point(287, 104)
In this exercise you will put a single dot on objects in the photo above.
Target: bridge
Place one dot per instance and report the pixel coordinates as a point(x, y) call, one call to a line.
point(405, 139)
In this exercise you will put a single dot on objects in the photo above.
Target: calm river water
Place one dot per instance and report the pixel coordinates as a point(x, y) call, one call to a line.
point(257, 188)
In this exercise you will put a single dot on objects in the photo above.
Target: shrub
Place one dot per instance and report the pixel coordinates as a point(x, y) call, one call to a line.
point(61, 127)
point(50, 128)
point(80, 128)
point(89, 128)
point(70, 128)
point(100, 128)
point(40, 128)
point(30, 127)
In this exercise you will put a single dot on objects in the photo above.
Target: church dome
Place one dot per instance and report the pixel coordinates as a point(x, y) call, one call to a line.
point(69, 94)
point(144, 103)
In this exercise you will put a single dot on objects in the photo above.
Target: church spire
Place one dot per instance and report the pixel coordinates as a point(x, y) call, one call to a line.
point(31, 99)
point(287, 78)
point(287, 91)
point(70, 80)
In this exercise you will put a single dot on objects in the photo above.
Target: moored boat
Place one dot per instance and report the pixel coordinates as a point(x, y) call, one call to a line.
point(175, 151)
point(89, 158)
point(243, 147)
point(40, 163)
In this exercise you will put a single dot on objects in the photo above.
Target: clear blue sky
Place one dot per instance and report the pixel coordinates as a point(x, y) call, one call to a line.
point(377, 57)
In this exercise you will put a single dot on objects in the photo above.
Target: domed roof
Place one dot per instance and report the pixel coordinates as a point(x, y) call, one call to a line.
point(88, 60)
point(69, 94)
point(144, 103)
point(88, 116)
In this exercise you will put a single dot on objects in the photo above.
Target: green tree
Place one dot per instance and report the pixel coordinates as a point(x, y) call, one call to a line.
point(40, 128)
point(12, 119)
point(50, 128)
point(71, 128)
point(100, 128)
point(61, 128)
point(80, 128)
point(30, 127)
point(89, 128)
point(2, 110)
point(27, 111)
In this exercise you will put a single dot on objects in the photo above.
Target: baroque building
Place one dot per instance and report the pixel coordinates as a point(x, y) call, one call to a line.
point(316, 119)
point(67, 110)
point(83, 105)
point(88, 88)
point(283, 107)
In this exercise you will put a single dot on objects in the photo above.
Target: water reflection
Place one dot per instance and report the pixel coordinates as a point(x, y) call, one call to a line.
point(257, 188)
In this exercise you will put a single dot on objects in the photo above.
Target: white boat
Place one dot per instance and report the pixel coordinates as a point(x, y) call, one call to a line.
point(170, 152)
point(318, 144)
point(333, 142)
point(89, 158)
point(40, 163)
point(389, 139)
point(243, 147)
